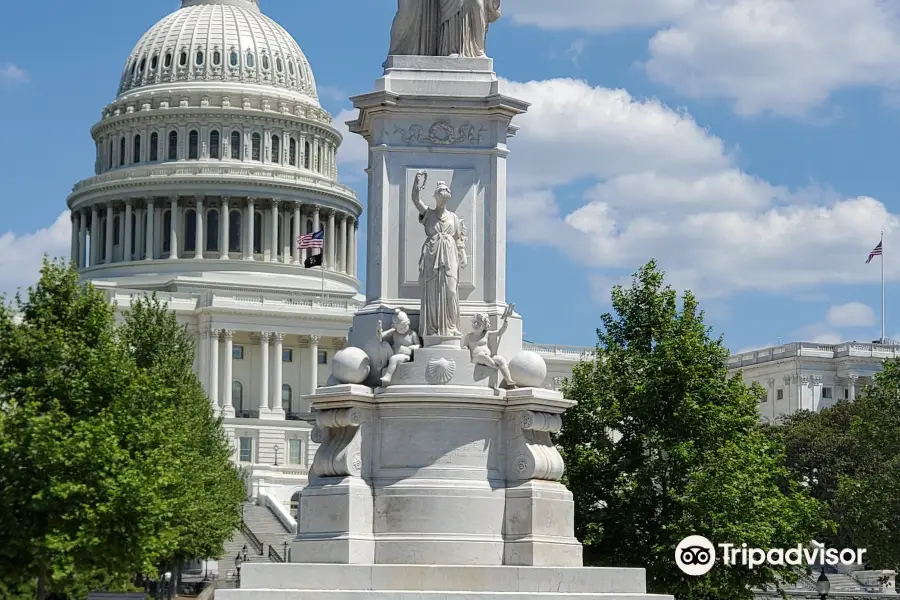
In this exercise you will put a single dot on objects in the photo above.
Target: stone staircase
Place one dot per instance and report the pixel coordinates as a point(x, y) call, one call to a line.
point(261, 532)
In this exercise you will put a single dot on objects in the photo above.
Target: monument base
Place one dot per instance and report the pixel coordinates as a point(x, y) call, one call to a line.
point(413, 582)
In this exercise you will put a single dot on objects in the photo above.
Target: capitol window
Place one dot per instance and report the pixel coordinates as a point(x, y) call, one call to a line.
point(212, 231)
point(233, 58)
point(190, 231)
point(143, 65)
point(292, 155)
point(167, 231)
point(257, 145)
point(279, 65)
point(217, 58)
point(291, 66)
point(265, 62)
point(779, 394)
point(122, 151)
point(237, 398)
point(286, 396)
point(237, 353)
point(154, 147)
point(110, 155)
point(168, 62)
point(182, 59)
point(133, 237)
point(306, 153)
point(294, 456)
point(173, 145)
point(287, 355)
point(246, 449)
point(323, 357)
point(136, 154)
point(276, 149)
point(194, 144)
point(826, 393)
point(214, 143)
point(199, 58)
point(251, 61)
point(116, 231)
point(154, 62)
point(234, 231)
point(236, 145)
point(257, 232)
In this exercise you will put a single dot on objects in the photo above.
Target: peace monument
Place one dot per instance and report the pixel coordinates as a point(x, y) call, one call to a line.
point(436, 472)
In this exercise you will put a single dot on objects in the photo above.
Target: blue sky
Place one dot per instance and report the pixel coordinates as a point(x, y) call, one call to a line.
point(748, 145)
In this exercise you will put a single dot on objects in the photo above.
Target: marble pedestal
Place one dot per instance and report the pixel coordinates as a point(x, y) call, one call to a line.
point(414, 582)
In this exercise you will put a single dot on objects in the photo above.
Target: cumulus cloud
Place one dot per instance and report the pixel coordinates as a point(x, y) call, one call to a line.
point(660, 185)
point(781, 56)
point(851, 314)
point(21, 255)
point(354, 152)
point(10, 74)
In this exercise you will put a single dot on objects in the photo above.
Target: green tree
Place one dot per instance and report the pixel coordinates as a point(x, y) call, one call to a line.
point(98, 475)
point(867, 502)
point(663, 444)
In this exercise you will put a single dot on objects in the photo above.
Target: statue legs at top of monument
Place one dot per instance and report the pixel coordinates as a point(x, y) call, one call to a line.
point(442, 27)
point(463, 26)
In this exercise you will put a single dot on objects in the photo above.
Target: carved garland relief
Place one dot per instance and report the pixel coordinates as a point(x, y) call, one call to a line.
point(440, 133)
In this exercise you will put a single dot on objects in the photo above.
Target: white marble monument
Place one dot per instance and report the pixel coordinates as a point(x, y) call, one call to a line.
point(436, 472)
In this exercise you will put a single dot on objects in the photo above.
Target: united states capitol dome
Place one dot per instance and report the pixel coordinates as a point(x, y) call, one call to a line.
point(227, 41)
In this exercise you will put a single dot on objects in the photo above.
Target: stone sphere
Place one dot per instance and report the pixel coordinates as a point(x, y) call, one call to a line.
point(350, 365)
point(528, 369)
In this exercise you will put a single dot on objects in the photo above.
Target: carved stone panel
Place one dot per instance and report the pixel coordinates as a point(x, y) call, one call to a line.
point(412, 234)
point(408, 443)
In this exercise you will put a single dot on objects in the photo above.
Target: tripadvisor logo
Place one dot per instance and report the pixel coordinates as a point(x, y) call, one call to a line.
point(695, 555)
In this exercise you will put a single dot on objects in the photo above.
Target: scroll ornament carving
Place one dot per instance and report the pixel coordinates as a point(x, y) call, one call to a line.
point(440, 133)
point(535, 455)
point(339, 453)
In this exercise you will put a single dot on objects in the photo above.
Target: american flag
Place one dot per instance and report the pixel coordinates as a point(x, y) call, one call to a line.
point(874, 253)
point(312, 240)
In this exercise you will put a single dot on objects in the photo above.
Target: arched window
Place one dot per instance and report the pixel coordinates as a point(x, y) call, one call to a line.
point(286, 396)
point(122, 151)
point(306, 161)
point(237, 397)
point(173, 145)
point(167, 231)
point(199, 59)
point(280, 236)
point(234, 231)
point(292, 152)
point(309, 226)
point(110, 155)
point(265, 62)
point(133, 68)
point(214, 143)
point(133, 230)
point(279, 65)
point(154, 147)
point(295, 506)
point(116, 232)
point(291, 66)
point(236, 145)
point(257, 144)
point(154, 62)
point(101, 239)
point(182, 59)
point(217, 58)
point(257, 233)
point(251, 61)
point(319, 162)
point(233, 59)
point(212, 231)
point(190, 230)
point(143, 65)
point(136, 153)
point(194, 144)
point(276, 149)
point(168, 62)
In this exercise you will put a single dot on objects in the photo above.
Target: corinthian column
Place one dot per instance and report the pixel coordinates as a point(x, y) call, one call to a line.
point(173, 228)
point(273, 243)
point(109, 234)
point(198, 228)
point(248, 233)
point(224, 228)
point(342, 254)
point(150, 233)
point(95, 236)
point(227, 406)
point(277, 380)
point(329, 240)
point(126, 227)
point(263, 400)
point(213, 390)
point(82, 238)
point(295, 246)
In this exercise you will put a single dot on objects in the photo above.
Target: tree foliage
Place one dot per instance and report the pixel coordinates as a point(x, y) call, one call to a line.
point(112, 463)
point(663, 444)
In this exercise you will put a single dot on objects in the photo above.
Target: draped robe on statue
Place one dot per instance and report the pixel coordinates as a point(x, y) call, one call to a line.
point(439, 264)
point(442, 27)
point(464, 25)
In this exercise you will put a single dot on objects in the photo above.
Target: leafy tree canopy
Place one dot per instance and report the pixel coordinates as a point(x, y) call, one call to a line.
point(112, 463)
point(663, 444)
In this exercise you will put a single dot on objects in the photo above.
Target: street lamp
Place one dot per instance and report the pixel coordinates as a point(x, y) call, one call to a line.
point(823, 586)
point(238, 561)
point(285, 556)
point(276, 448)
point(244, 553)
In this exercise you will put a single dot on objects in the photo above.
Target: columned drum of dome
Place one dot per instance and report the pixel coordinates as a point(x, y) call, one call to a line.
point(217, 145)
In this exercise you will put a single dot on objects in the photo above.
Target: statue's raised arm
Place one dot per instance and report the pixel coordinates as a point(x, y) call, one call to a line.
point(418, 186)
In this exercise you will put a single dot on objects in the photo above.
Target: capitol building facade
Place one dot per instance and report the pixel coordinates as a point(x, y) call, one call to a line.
point(212, 160)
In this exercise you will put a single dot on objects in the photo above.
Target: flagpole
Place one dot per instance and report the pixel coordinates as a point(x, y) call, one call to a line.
point(882, 287)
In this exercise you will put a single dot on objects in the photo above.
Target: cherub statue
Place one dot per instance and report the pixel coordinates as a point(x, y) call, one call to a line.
point(483, 343)
point(403, 341)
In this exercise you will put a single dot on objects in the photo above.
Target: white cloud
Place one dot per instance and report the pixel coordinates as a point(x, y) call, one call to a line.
point(660, 186)
point(10, 74)
point(783, 56)
point(21, 255)
point(851, 314)
point(354, 151)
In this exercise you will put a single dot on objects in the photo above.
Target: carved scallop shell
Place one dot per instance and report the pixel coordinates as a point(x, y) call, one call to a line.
point(440, 371)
